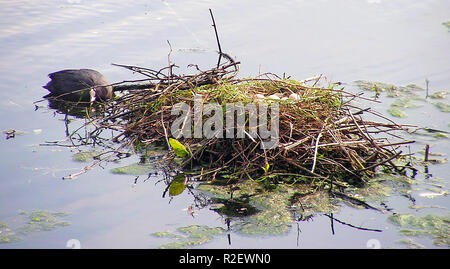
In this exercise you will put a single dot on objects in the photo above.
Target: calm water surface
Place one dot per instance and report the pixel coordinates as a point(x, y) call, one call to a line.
point(399, 42)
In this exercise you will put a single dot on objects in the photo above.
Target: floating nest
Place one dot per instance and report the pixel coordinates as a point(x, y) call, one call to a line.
point(322, 135)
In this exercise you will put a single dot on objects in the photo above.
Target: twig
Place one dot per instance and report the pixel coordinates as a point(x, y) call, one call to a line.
point(217, 38)
point(380, 163)
point(168, 61)
point(354, 200)
point(351, 225)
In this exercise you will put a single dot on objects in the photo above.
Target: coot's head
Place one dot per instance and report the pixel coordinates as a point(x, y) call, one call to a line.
point(83, 85)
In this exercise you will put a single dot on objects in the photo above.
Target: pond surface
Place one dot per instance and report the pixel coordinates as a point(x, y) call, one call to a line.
point(400, 42)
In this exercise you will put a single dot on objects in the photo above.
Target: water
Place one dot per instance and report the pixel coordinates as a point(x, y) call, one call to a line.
point(399, 42)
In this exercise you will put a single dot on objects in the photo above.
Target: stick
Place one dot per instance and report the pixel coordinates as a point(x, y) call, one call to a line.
point(353, 226)
point(354, 200)
point(380, 163)
point(314, 174)
point(168, 61)
point(217, 38)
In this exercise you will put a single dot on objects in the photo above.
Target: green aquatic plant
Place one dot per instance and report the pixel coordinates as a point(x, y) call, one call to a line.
point(263, 211)
point(177, 185)
point(439, 95)
point(179, 149)
point(134, 169)
point(447, 24)
point(273, 217)
point(410, 243)
point(404, 102)
point(438, 227)
point(30, 222)
point(7, 235)
point(189, 236)
point(392, 90)
point(443, 107)
point(396, 112)
point(374, 191)
point(84, 156)
point(440, 135)
point(41, 220)
point(397, 107)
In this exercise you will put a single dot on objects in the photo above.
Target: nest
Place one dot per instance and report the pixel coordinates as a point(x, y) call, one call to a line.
point(322, 134)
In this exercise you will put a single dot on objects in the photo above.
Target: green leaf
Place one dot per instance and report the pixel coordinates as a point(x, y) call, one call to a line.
point(179, 149)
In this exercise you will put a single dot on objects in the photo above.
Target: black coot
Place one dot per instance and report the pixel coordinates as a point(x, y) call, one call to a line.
point(83, 85)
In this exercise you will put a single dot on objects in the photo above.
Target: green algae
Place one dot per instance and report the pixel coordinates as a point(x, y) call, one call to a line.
point(391, 89)
point(375, 191)
point(397, 107)
point(411, 244)
point(41, 220)
point(189, 236)
point(443, 107)
point(437, 227)
point(396, 112)
point(32, 221)
point(150, 160)
point(374, 86)
point(404, 96)
point(402, 103)
point(447, 24)
point(7, 235)
point(84, 156)
point(267, 212)
point(134, 169)
point(314, 202)
point(439, 95)
point(440, 135)
point(273, 218)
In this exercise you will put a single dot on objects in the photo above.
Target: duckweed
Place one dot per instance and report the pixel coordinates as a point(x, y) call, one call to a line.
point(268, 212)
point(84, 156)
point(438, 227)
point(134, 169)
point(443, 107)
point(447, 24)
point(391, 89)
point(7, 235)
point(395, 112)
point(41, 220)
point(33, 221)
point(189, 236)
point(439, 95)
point(411, 243)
